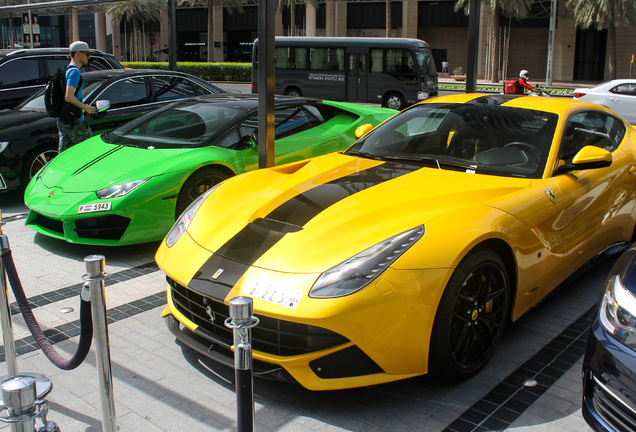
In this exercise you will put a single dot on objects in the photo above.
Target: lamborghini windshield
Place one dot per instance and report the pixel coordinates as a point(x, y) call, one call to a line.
point(184, 124)
point(471, 137)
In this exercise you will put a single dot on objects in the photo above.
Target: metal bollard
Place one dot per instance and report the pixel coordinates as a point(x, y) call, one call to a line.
point(23, 407)
point(241, 322)
point(94, 292)
point(5, 315)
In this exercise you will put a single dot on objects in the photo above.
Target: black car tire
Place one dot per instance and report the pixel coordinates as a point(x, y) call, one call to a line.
point(196, 185)
point(471, 316)
point(293, 91)
point(35, 160)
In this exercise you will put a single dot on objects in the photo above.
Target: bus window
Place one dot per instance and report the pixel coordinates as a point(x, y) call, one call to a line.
point(400, 64)
point(331, 59)
point(291, 58)
point(377, 60)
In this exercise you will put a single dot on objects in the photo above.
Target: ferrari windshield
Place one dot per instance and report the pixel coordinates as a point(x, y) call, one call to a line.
point(472, 137)
point(184, 124)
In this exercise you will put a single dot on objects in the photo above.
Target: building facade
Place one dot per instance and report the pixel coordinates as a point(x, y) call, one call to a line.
point(524, 44)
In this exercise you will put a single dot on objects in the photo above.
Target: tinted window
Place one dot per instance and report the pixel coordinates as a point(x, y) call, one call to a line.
point(628, 89)
point(170, 88)
point(126, 92)
point(21, 71)
point(53, 64)
point(476, 138)
point(97, 63)
point(326, 59)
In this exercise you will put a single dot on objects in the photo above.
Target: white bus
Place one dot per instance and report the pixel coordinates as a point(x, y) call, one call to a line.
point(395, 72)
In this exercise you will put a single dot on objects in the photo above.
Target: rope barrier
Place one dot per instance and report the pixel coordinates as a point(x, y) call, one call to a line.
point(86, 323)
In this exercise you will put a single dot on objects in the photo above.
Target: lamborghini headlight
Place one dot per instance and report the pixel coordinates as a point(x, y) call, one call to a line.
point(617, 313)
point(3, 145)
point(361, 269)
point(120, 190)
point(183, 222)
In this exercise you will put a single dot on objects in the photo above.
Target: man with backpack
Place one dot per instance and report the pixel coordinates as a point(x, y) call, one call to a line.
point(71, 123)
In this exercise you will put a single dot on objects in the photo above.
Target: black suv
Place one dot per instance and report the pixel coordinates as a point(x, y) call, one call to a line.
point(24, 71)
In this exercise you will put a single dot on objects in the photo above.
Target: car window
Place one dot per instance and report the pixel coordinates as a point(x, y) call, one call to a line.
point(590, 128)
point(627, 89)
point(172, 88)
point(20, 72)
point(295, 119)
point(97, 63)
point(479, 138)
point(55, 63)
point(183, 124)
point(127, 92)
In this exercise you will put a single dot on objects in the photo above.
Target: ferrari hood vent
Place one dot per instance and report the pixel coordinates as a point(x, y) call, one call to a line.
point(275, 225)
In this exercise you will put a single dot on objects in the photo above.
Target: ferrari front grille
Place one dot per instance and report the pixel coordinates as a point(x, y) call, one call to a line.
point(272, 336)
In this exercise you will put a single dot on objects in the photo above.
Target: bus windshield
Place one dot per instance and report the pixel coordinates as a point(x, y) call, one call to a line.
point(425, 62)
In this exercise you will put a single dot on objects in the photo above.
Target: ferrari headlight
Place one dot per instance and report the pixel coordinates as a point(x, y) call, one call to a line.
point(617, 313)
point(120, 190)
point(359, 270)
point(183, 222)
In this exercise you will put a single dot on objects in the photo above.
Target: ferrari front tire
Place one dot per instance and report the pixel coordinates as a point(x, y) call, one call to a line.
point(471, 316)
point(196, 185)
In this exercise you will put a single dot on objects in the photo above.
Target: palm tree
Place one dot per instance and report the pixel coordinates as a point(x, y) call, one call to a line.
point(291, 4)
point(136, 12)
point(601, 13)
point(388, 18)
point(512, 8)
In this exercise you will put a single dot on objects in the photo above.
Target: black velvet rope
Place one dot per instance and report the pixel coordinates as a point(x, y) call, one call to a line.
point(86, 321)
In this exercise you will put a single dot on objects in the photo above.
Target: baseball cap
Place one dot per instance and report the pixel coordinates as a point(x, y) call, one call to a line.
point(80, 46)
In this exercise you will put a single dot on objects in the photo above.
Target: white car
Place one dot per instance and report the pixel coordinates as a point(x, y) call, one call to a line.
point(617, 95)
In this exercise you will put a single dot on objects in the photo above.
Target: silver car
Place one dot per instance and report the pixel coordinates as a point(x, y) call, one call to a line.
point(617, 95)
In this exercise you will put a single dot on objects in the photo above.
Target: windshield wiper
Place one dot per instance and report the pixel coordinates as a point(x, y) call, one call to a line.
point(419, 159)
point(439, 162)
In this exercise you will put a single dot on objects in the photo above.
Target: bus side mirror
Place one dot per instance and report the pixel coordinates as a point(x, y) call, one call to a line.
point(362, 130)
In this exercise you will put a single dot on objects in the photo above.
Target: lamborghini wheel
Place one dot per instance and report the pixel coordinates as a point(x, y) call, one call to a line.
point(196, 185)
point(471, 316)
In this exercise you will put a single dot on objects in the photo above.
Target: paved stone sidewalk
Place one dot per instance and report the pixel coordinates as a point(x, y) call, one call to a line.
point(158, 386)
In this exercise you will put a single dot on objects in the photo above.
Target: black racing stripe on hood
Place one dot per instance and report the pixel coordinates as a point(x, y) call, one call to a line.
point(97, 159)
point(302, 208)
point(249, 244)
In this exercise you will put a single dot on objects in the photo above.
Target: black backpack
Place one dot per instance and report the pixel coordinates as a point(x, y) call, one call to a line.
point(54, 94)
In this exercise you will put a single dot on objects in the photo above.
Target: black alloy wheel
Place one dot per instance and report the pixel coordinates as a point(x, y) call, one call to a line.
point(471, 316)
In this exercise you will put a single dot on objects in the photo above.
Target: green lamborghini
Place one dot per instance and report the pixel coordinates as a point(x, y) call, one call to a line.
point(128, 186)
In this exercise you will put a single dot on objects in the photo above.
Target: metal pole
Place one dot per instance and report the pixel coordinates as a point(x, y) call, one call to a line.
point(266, 107)
point(473, 46)
point(242, 321)
point(5, 314)
point(95, 282)
point(553, 16)
point(172, 35)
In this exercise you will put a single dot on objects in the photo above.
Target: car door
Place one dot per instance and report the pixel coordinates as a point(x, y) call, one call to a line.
point(592, 207)
point(622, 99)
point(294, 136)
point(129, 98)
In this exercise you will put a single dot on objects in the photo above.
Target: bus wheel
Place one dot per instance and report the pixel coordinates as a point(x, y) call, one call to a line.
point(394, 100)
point(293, 91)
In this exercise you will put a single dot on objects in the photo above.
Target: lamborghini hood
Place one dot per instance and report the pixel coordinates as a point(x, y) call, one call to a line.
point(93, 165)
point(315, 214)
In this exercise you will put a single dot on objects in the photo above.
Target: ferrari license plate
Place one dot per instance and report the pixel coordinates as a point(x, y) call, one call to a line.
point(286, 297)
point(95, 207)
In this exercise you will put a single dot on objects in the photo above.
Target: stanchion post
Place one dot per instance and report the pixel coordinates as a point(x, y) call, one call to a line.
point(241, 322)
point(5, 314)
point(95, 281)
